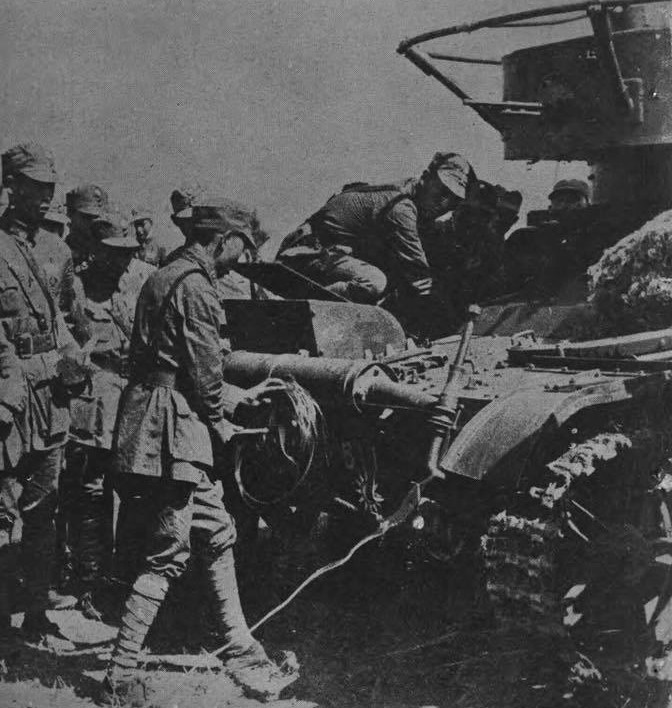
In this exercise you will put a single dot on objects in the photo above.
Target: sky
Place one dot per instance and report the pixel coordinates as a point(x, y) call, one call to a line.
point(274, 102)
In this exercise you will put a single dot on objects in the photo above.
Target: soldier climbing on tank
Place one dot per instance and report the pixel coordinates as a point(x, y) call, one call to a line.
point(40, 367)
point(111, 286)
point(174, 409)
point(366, 239)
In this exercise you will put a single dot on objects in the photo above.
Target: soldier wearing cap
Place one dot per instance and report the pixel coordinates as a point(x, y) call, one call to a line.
point(84, 204)
point(56, 220)
point(150, 251)
point(40, 366)
point(241, 229)
point(175, 407)
point(369, 235)
point(111, 285)
point(569, 194)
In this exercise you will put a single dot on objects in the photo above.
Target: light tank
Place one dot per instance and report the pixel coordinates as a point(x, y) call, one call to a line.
point(554, 457)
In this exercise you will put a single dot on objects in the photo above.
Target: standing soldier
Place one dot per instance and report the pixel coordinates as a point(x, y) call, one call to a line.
point(150, 251)
point(111, 287)
point(175, 407)
point(84, 204)
point(39, 368)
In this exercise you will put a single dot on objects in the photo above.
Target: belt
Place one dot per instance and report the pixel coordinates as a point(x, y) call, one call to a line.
point(158, 377)
point(28, 345)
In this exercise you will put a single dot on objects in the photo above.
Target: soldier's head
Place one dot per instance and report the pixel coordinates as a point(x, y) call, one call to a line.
point(443, 185)
point(181, 201)
point(115, 246)
point(508, 209)
point(56, 220)
point(569, 194)
point(142, 221)
point(29, 175)
point(225, 228)
point(84, 204)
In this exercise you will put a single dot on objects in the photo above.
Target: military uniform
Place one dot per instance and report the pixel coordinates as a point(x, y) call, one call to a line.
point(176, 395)
point(105, 328)
point(35, 420)
point(369, 234)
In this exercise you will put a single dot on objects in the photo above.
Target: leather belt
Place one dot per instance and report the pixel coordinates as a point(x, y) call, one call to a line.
point(159, 377)
point(28, 345)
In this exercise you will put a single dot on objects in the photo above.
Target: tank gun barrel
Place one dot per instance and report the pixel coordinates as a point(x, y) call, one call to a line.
point(329, 380)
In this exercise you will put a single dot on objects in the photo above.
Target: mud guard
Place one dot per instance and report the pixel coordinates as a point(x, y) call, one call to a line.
point(506, 423)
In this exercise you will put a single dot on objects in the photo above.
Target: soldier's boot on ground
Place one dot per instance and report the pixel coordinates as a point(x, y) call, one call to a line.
point(38, 545)
point(246, 661)
point(92, 549)
point(121, 683)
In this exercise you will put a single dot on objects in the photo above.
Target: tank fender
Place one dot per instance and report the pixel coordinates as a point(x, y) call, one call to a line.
point(507, 422)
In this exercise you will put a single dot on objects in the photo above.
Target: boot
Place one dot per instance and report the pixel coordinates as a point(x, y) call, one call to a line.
point(124, 689)
point(247, 662)
point(142, 606)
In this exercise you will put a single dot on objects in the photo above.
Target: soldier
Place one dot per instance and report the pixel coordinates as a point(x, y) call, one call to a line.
point(84, 204)
point(39, 368)
point(367, 235)
point(111, 284)
point(56, 220)
point(150, 251)
point(240, 242)
point(175, 407)
point(569, 194)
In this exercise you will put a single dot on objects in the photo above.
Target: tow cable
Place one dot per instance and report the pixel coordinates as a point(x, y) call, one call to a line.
point(406, 508)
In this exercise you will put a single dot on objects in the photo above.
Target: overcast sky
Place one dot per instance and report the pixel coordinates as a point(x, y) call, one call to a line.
point(277, 102)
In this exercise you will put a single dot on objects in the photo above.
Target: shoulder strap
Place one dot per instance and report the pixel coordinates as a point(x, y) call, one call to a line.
point(382, 214)
point(163, 309)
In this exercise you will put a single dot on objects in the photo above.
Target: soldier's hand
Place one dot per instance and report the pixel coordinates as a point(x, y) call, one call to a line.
point(259, 394)
point(225, 430)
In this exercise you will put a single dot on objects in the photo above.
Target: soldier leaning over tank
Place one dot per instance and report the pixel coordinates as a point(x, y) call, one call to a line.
point(84, 204)
point(111, 286)
point(366, 238)
point(40, 367)
point(174, 409)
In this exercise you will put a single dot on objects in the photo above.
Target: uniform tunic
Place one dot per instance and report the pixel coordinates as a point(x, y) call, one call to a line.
point(107, 326)
point(175, 335)
point(31, 331)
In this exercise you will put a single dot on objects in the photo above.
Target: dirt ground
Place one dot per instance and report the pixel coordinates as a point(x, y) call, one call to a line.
point(382, 632)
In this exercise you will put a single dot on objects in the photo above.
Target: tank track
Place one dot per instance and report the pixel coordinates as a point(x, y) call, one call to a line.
point(519, 552)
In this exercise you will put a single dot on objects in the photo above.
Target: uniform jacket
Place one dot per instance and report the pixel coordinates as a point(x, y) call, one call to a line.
point(55, 257)
point(176, 330)
point(31, 332)
point(105, 330)
point(380, 225)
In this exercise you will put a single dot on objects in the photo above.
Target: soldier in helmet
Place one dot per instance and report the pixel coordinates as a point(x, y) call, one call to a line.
point(111, 286)
point(41, 366)
point(369, 235)
point(174, 409)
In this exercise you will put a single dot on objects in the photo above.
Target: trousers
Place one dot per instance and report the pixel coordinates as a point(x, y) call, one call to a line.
point(161, 520)
point(28, 499)
point(343, 274)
